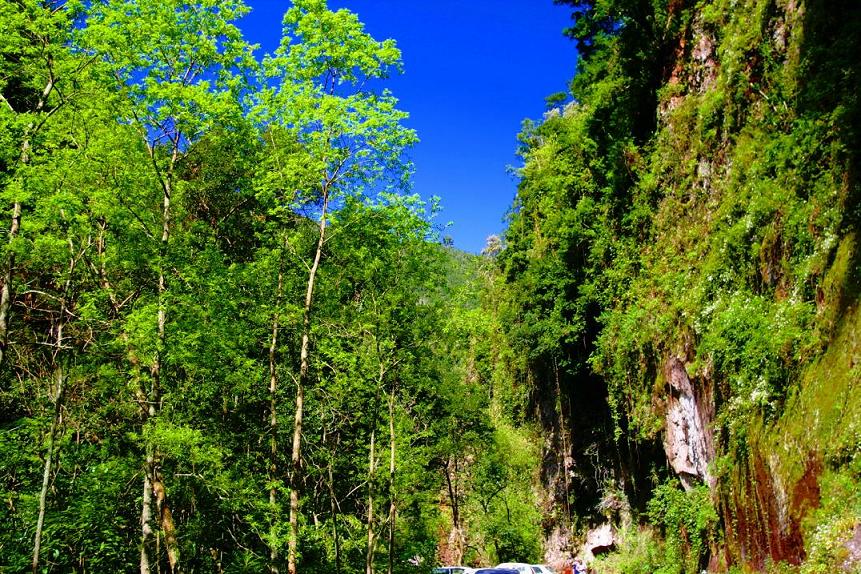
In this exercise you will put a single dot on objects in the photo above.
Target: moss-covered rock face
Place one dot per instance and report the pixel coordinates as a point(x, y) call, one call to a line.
point(686, 237)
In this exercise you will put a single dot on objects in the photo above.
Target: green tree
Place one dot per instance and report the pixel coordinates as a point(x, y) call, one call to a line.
point(34, 62)
point(353, 137)
point(173, 63)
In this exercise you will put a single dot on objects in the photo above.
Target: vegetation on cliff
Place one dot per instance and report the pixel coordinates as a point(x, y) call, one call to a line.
point(696, 203)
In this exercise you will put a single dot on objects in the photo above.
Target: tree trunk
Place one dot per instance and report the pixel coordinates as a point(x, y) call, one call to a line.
point(153, 484)
point(369, 554)
point(392, 501)
point(57, 400)
point(146, 514)
point(46, 475)
point(296, 455)
point(155, 389)
point(334, 507)
point(273, 428)
point(6, 292)
point(452, 491)
point(372, 469)
point(166, 522)
point(456, 539)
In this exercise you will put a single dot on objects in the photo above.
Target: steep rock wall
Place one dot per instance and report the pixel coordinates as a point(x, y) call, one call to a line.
point(771, 482)
point(764, 453)
point(701, 273)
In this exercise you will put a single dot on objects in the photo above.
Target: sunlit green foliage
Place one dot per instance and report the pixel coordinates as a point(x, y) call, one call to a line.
point(168, 173)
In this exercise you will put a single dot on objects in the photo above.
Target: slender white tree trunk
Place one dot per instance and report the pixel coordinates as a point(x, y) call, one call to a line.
point(154, 489)
point(46, 475)
point(146, 514)
point(372, 470)
point(334, 507)
point(369, 552)
point(392, 501)
point(273, 429)
point(57, 400)
point(6, 291)
point(296, 454)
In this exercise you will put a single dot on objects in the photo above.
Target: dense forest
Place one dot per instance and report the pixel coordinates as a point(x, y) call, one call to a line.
point(232, 339)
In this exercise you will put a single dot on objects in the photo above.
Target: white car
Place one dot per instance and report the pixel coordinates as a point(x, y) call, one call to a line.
point(541, 569)
point(520, 567)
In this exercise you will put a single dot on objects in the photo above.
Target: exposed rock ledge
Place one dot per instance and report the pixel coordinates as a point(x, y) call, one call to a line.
point(688, 440)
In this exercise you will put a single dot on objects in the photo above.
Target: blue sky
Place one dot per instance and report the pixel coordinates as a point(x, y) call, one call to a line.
point(474, 69)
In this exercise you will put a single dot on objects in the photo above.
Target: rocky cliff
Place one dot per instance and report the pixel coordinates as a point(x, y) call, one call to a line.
point(683, 274)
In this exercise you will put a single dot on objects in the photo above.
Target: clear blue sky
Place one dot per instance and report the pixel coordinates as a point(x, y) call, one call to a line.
point(474, 69)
